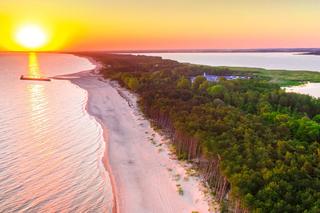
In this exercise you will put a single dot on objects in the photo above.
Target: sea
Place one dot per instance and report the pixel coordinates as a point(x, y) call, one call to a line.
point(51, 149)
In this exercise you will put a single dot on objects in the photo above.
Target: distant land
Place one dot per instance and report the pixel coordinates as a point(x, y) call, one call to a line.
point(310, 51)
point(260, 50)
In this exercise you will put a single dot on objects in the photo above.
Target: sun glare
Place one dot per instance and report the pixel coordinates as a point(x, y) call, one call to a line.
point(32, 37)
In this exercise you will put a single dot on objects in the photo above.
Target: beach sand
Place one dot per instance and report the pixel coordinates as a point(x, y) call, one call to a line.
point(312, 89)
point(144, 173)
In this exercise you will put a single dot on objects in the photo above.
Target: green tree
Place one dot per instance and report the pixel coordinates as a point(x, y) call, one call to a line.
point(316, 118)
point(216, 91)
point(133, 84)
point(198, 81)
point(204, 86)
point(183, 83)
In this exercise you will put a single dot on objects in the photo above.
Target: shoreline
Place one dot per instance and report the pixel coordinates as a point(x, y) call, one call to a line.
point(105, 161)
point(106, 164)
point(133, 191)
point(308, 88)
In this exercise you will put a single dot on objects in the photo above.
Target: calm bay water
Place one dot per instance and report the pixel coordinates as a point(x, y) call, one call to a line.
point(50, 148)
point(287, 61)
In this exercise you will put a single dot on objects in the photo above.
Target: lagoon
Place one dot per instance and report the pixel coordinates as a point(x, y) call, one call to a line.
point(278, 61)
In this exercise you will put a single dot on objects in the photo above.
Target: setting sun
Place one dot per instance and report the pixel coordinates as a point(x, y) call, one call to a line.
point(138, 106)
point(31, 37)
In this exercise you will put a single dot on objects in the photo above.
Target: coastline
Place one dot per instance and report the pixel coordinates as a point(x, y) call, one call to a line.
point(70, 77)
point(145, 175)
point(308, 88)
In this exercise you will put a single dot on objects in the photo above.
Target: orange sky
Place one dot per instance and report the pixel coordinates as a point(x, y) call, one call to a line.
point(166, 24)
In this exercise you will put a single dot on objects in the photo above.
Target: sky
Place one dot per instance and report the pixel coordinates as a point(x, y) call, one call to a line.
point(166, 24)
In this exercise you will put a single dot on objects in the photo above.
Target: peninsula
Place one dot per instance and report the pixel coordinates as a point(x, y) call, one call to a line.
point(252, 144)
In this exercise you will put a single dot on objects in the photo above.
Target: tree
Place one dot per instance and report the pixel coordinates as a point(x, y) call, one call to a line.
point(197, 81)
point(316, 118)
point(250, 139)
point(183, 83)
point(204, 86)
point(216, 91)
point(133, 84)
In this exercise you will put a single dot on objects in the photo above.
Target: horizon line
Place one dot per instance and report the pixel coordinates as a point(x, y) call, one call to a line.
point(193, 50)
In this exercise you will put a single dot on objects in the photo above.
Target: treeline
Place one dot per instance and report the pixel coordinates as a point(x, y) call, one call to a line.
point(128, 63)
point(256, 146)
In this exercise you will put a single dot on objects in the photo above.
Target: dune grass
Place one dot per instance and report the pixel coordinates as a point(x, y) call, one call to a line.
point(281, 77)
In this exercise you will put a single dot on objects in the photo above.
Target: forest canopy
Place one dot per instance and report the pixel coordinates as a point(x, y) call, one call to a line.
point(256, 145)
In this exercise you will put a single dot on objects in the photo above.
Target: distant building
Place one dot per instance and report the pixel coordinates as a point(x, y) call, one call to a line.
point(215, 78)
point(211, 77)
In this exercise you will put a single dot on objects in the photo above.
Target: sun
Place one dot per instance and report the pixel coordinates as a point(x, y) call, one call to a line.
point(31, 37)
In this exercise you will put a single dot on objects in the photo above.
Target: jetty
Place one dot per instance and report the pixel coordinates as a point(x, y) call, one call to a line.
point(34, 78)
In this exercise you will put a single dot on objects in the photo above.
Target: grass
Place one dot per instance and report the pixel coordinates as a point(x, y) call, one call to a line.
point(281, 77)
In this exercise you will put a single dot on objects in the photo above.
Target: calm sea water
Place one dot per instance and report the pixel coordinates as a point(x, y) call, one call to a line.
point(287, 61)
point(50, 148)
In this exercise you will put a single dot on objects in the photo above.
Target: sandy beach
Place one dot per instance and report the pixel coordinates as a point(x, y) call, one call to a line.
point(312, 89)
point(145, 175)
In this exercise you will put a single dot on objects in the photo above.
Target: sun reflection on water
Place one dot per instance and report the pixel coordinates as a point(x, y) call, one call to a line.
point(37, 95)
point(35, 90)
point(34, 69)
point(51, 149)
